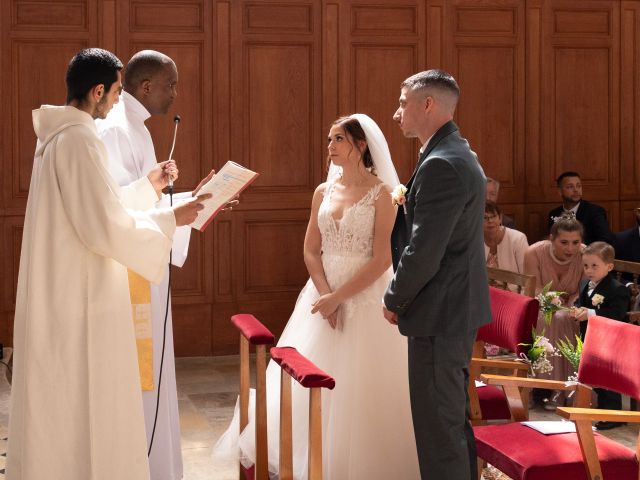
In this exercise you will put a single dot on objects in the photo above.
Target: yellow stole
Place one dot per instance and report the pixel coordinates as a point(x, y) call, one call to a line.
point(140, 291)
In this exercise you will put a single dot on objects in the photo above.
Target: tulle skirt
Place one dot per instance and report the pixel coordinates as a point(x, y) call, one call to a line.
point(367, 428)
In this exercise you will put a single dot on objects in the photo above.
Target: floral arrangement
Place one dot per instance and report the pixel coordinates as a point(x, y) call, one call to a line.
point(596, 300)
point(398, 195)
point(570, 351)
point(550, 302)
point(538, 354)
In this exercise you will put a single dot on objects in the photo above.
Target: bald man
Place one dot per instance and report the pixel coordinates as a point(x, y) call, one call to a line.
point(150, 87)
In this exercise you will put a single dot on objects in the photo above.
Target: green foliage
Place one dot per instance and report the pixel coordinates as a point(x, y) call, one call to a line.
point(571, 352)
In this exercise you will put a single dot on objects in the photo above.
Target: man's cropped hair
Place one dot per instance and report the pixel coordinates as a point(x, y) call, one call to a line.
point(564, 175)
point(88, 68)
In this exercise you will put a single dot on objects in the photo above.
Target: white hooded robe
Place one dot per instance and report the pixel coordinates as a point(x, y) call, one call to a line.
point(76, 411)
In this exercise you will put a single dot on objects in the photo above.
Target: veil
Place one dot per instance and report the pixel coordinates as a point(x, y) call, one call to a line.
point(379, 152)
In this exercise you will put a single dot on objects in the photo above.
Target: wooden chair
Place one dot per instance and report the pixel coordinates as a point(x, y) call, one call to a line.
point(252, 332)
point(296, 366)
point(525, 284)
point(631, 273)
point(513, 318)
point(609, 360)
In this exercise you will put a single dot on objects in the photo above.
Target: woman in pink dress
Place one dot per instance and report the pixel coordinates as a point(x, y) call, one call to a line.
point(558, 260)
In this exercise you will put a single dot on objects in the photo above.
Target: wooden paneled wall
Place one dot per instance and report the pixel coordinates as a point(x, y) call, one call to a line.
point(547, 86)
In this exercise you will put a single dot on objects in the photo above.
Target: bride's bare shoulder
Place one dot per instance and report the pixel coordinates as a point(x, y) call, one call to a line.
point(320, 189)
point(384, 188)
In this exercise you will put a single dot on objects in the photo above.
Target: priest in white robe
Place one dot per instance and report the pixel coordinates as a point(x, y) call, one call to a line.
point(150, 81)
point(76, 411)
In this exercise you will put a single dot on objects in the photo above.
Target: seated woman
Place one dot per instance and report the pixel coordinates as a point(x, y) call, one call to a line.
point(503, 247)
point(558, 260)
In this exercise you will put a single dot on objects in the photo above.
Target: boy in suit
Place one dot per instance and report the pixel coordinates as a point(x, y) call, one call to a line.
point(604, 296)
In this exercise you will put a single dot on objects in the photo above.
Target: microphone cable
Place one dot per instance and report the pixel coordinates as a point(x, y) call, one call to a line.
point(164, 338)
point(176, 121)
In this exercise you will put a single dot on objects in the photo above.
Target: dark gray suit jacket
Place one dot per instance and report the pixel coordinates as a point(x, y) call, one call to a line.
point(440, 284)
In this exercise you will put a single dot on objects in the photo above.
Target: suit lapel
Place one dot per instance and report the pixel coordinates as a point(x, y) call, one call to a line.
point(601, 288)
point(445, 130)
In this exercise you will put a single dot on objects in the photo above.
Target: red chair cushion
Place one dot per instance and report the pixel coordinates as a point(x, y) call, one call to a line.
point(525, 454)
point(514, 316)
point(251, 328)
point(610, 356)
point(493, 403)
point(301, 369)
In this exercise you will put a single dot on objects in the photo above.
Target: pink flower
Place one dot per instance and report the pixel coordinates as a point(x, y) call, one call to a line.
point(398, 195)
point(546, 344)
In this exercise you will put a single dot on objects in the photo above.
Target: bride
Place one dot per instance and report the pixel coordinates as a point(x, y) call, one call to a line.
point(337, 323)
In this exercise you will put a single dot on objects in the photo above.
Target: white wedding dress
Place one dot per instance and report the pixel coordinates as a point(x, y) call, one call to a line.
point(367, 428)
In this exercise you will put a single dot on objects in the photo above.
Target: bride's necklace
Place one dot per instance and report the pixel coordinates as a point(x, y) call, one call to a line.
point(357, 183)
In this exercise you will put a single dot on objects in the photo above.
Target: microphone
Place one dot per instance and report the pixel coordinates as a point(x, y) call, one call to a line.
point(176, 120)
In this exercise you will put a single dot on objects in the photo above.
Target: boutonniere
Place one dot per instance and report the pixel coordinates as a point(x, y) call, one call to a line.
point(596, 300)
point(398, 196)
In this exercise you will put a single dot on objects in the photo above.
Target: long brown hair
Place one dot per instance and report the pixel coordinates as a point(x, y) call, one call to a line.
point(354, 129)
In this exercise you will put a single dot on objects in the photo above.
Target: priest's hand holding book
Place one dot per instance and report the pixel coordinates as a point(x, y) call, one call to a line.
point(224, 187)
point(229, 205)
point(187, 212)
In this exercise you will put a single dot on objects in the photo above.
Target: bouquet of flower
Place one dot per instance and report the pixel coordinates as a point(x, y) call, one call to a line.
point(570, 351)
point(538, 354)
point(550, 302)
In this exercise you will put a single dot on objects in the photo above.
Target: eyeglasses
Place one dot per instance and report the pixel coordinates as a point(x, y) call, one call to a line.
point(488, 218)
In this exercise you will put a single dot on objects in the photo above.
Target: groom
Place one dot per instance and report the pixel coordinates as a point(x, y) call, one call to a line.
point(439, 295)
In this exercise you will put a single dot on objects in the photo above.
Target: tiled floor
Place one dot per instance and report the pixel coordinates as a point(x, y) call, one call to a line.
point(207, 389)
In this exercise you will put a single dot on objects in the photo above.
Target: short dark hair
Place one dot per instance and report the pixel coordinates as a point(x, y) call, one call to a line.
point(88, 68)
point(435, 78)
point(564, 175)
point(566, 223)
point(144, 65)
point(602, 250)
point(492, 208)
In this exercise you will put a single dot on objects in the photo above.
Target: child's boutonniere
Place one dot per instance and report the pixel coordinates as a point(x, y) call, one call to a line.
point(398, 196)
point(596, 300)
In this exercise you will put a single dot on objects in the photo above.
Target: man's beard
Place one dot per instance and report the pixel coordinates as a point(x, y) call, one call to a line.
point(571, 200)
point(99, 110)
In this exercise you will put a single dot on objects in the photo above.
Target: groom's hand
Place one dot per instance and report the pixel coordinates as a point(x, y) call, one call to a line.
point(391, 317)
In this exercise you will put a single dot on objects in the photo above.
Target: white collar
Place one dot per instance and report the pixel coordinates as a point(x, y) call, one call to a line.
point(134, 107)
point(574, 209)
point(424, 146)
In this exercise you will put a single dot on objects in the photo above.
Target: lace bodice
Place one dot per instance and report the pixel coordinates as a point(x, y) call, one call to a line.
point(352, 235)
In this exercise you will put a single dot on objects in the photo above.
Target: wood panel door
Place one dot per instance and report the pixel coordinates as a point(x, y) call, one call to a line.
point(573, 93)
point(482, 44)
point(547, 86)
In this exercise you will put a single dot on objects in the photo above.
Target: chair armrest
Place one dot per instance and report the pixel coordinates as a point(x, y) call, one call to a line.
point(593, 414)
point(506, 364)
point(527, 382)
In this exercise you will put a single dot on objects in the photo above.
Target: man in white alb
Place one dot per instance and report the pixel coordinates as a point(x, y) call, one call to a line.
point(75, 410)
point(150, 83)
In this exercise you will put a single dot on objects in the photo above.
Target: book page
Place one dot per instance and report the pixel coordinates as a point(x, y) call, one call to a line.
point(226, 184)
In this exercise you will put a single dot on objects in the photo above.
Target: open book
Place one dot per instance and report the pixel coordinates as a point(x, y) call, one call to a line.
point(228, 182)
